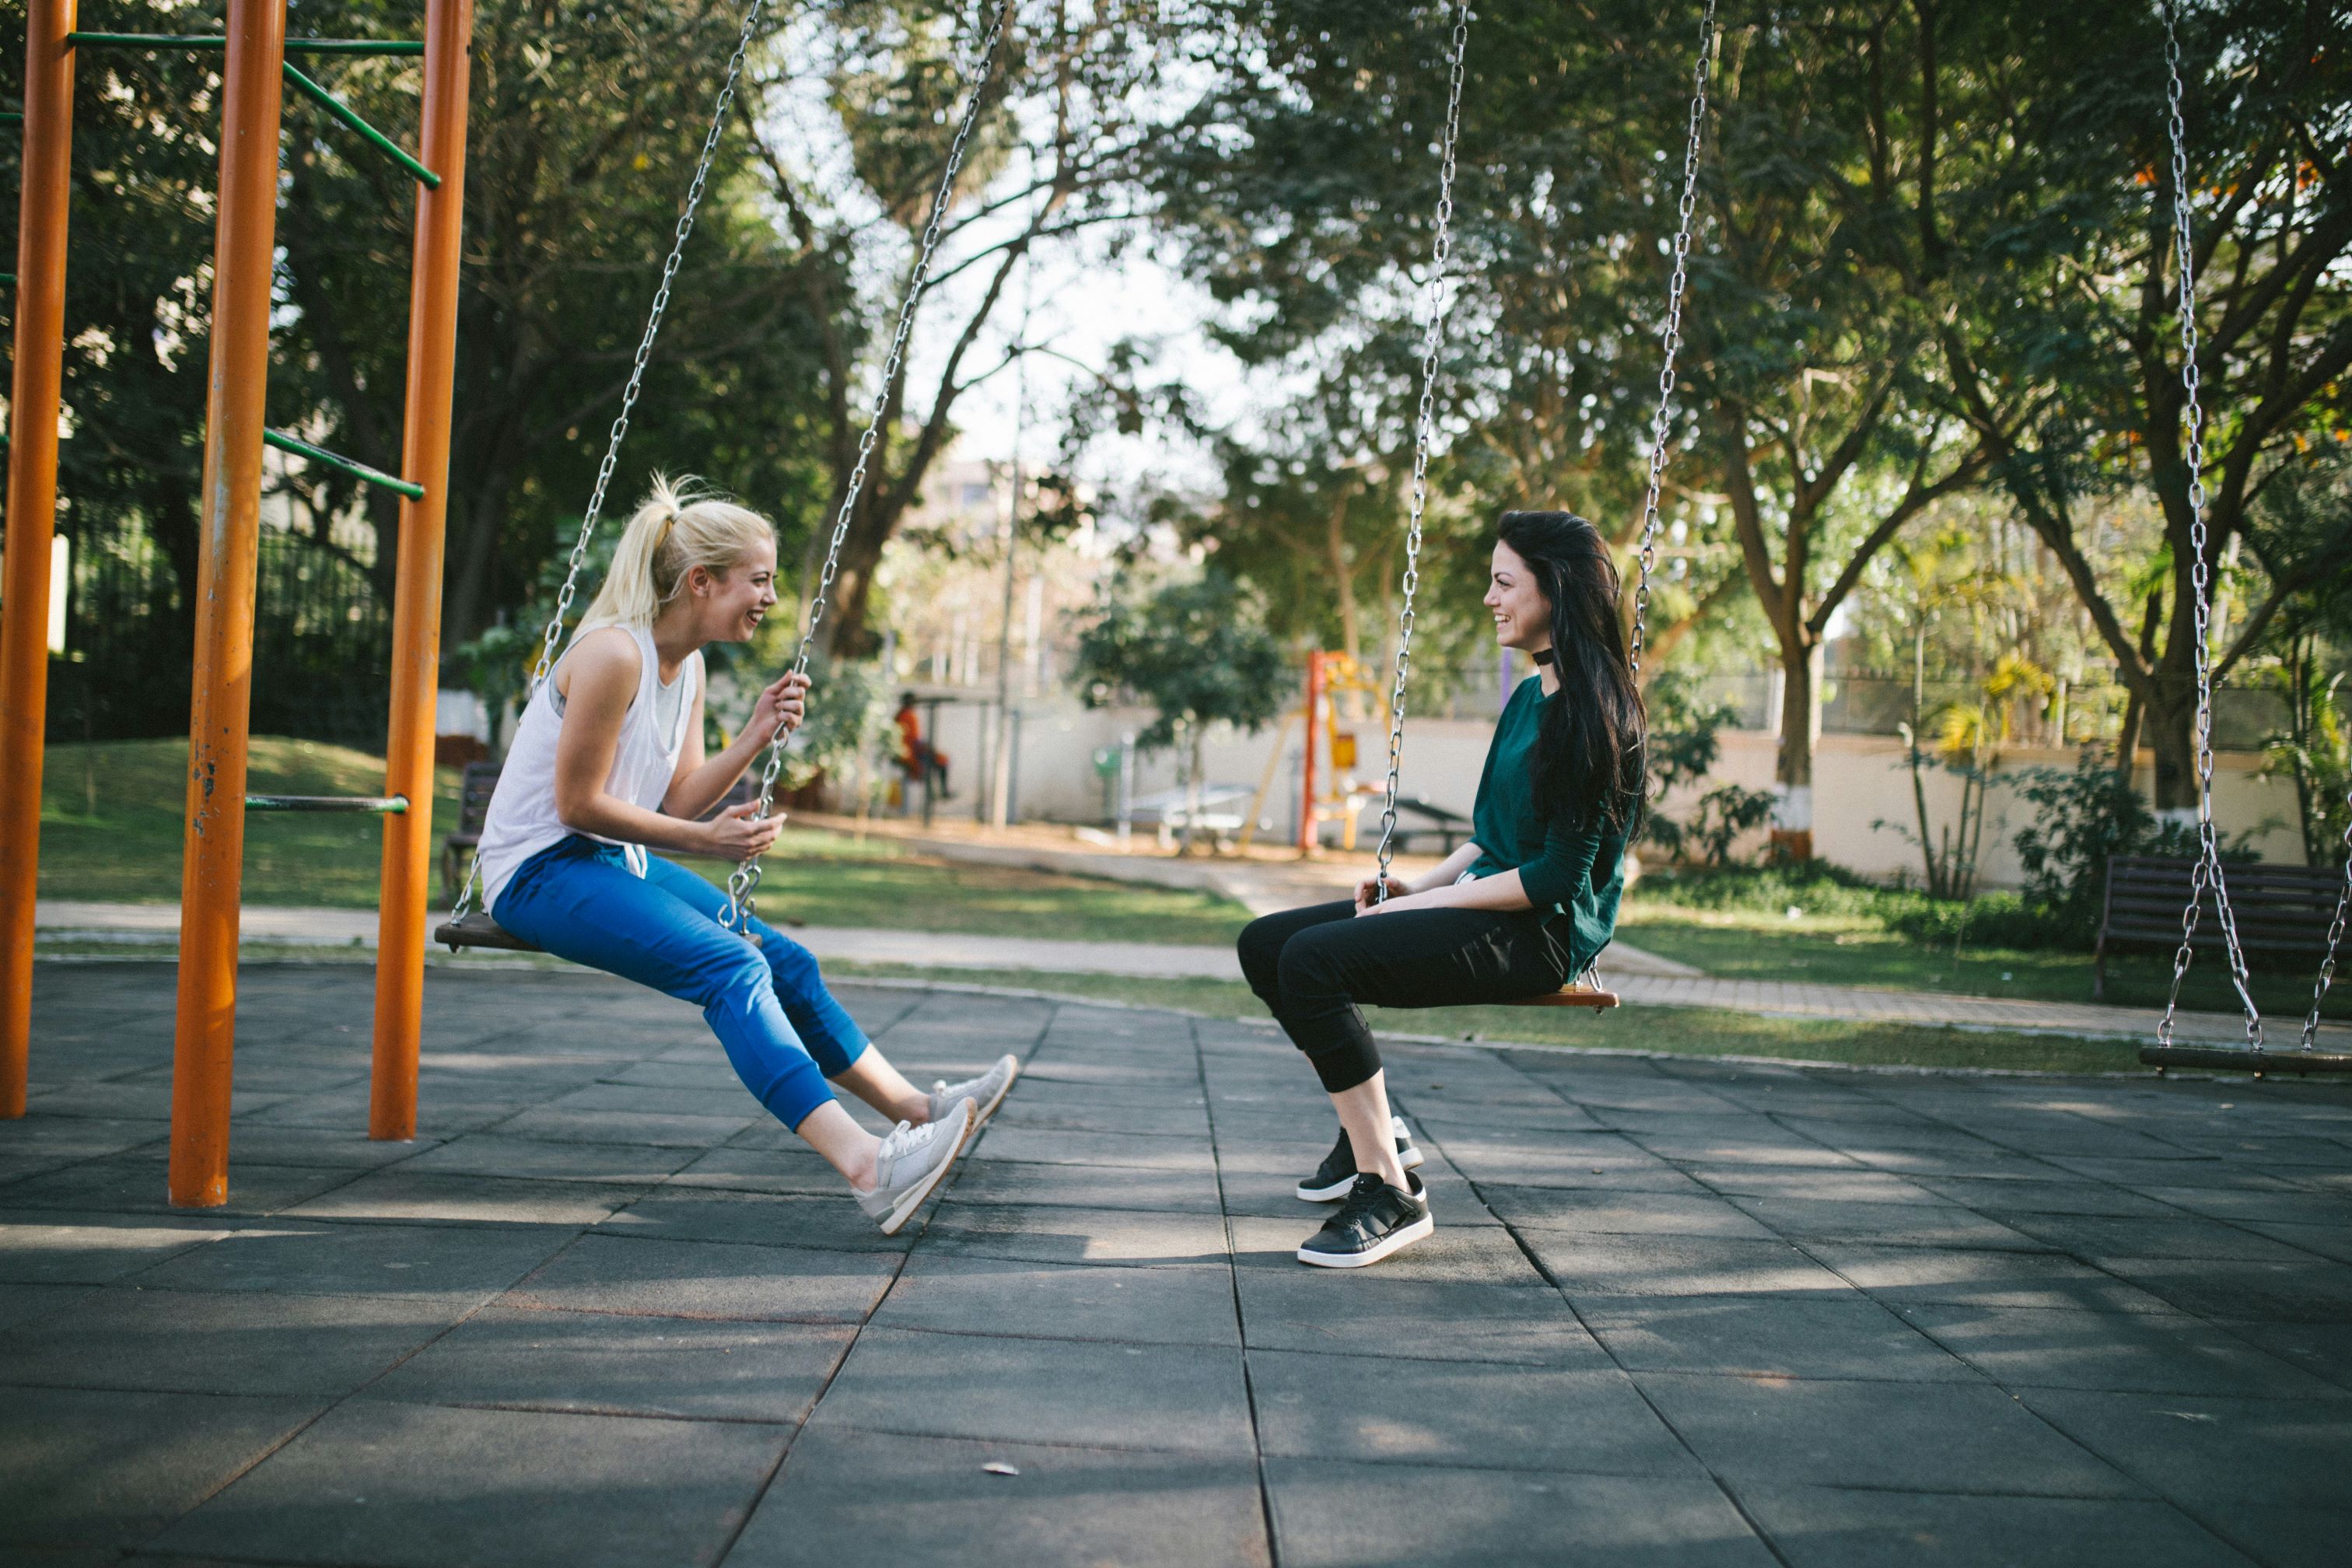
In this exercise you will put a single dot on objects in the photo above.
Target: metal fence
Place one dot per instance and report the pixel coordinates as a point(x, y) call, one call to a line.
point(322, 645)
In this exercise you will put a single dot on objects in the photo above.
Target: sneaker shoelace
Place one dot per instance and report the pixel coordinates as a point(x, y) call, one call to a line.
point(898, 1140)
point(1359, 1202)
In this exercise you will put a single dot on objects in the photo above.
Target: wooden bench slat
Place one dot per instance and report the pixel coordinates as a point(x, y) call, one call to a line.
point(2276, 908)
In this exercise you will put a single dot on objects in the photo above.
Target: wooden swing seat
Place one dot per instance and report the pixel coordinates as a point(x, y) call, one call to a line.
point(478, 930)
point(1593, 996)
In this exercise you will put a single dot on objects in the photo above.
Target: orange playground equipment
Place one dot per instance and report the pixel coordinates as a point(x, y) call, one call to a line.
point(1329, 790)
point(255, 74)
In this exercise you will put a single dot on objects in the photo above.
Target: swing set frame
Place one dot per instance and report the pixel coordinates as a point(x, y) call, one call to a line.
point(254, 75)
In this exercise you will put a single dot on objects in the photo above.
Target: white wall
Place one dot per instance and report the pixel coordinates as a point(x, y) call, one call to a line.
point(1857, 780)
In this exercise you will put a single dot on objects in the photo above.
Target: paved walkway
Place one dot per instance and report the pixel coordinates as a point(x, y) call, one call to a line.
point(1678, 1312)
point(1641, 978)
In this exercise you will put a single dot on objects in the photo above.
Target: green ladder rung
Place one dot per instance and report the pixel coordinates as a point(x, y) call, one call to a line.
point(301, 448)
point(209, 41)
point(363, 804)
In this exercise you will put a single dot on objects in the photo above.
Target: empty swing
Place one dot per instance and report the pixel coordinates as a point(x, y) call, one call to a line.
point(2207, 873)
point(466, 927)
point(1586, 990)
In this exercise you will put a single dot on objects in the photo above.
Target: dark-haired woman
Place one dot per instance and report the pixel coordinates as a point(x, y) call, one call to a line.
point(1518, 911)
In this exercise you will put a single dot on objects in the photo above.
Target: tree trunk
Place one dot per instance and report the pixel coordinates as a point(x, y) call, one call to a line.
point(1191, 783)
point(2171, 725)
point(1792, 818)
point(466, 590)
point(1343, 576)
point(2136, 706)
point(843, 632)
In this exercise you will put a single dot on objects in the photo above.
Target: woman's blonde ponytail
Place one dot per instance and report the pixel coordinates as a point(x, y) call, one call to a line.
point(676, 530)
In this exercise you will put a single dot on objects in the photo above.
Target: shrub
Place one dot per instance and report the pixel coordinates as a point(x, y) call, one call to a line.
point(1681, 744)
point(1991, 920)
point(2088, 816)
point(1815, 887)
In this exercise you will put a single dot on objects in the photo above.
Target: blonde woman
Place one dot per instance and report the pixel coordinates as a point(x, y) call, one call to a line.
point(607, 766)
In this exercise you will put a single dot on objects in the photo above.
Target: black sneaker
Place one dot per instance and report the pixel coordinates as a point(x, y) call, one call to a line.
point(1337, 1173)
point(1375, 1221)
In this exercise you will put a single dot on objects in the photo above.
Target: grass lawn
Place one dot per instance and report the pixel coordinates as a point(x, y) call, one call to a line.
point(1859, 950)
point(1680, 1031)
point(128, 849)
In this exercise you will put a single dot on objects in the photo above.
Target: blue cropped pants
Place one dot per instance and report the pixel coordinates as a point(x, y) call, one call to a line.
point(783, 1033)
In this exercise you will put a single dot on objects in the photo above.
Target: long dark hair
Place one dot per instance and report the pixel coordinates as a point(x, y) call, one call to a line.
point(1588, 759)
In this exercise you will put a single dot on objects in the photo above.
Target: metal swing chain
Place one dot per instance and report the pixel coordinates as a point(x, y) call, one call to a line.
point(1423, 429)
point(694, 192)
point(2208, 870)
point(745, 879)
point(2334, 939)
point(1673, 339)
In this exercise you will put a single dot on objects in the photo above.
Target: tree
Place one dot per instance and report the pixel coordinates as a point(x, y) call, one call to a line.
point(137, 291)
point(586, 122)
point(1798, 409)
point(2078, 300)
point(1302, 184)
point(585, 125)
point(1827, 438)
point(2305, 513)
point(1197, 654)
point(1061, 124)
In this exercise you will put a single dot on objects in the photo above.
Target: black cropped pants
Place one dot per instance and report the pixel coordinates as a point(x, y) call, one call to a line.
point(1313, 967)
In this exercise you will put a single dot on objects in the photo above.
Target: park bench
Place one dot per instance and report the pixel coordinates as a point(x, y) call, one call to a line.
point(1450, 827)
point(2283, 909)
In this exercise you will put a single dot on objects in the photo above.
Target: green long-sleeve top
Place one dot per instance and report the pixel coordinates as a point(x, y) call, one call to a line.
point(1572, 873)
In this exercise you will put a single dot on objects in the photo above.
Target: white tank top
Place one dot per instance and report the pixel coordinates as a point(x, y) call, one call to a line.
point(523, 820)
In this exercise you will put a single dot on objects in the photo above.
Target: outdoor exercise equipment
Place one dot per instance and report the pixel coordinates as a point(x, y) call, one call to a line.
point(464, 929)
point(2207, 872)
point(1586, 991)
point(254, 75)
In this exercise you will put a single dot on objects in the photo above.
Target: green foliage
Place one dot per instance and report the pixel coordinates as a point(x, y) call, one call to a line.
point(586, 121)
point(1683, 738)
point(1812, 887)
point(848, 719)
point(2306, 512)
point(2316, 753)
point(1196, 653)
point(2089, 814)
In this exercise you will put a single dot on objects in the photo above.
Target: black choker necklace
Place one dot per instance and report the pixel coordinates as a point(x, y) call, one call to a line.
point(1543, 656)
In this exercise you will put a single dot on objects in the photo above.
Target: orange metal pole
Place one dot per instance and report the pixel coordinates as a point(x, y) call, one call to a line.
point(32, 504)
point(212, 861)
point(416, 597)
point(1307, 836)
point(31, 510)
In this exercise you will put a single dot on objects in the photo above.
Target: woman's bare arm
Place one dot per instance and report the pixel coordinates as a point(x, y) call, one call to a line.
point(600, 681)
point(1500, 891)
point(698, 784)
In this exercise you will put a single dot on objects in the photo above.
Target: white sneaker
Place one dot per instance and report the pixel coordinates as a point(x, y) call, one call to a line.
point(910, 1164)
point(985, 1092)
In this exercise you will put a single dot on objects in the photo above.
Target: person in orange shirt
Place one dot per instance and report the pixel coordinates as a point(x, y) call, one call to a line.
point(916, 754)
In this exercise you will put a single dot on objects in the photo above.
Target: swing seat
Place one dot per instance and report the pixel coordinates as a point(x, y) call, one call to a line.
point(1593, 996)
point(477, 930)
